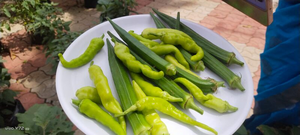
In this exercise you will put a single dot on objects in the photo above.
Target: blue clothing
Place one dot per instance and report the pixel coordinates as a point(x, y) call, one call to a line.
point(279, 85)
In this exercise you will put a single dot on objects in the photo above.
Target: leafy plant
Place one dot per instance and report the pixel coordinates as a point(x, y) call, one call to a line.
point(59, 45)
point(115, 8)
point(42, 119)
point(38, 17)
point(5, 76)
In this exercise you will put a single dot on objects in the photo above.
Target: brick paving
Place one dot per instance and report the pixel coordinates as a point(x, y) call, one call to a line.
point(32, 78)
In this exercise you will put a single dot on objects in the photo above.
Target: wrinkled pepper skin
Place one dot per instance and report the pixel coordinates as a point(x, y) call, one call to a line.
point(123, 53)
point(93, 111)
point(94, 47)
point(158, 127)
point(161, 49)
point(208, 100)
point(175, 37)
point(148, 103)
point(151, 90)
point(88, 92)
point(107, 99)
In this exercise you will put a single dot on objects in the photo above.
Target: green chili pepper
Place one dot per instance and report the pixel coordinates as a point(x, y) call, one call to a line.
point(173, 61)
point(92, 110)
point(161, 49)
point(104, 92)
point(89, 93)
point(158, 127)
point(165, 107)
point(123, 53)
point(151, 90)
point(208, 100)
point(95, 46)
point(175, 37)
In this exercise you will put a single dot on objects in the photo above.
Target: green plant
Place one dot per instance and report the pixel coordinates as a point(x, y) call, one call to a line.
point(7, 101)
point(38, 17)
point(115, 8)
point(41, 119)
point(59, 45)
point(4, 75)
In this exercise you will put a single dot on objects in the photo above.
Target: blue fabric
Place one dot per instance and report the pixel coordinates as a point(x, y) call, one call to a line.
point(280, 65)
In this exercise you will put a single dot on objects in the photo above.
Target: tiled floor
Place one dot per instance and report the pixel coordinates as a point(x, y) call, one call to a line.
point(31, 76)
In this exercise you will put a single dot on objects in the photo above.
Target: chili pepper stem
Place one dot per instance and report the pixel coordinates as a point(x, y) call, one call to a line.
point(171, 70)
point(75, 102)
point(130, 109)
point(174, 99)
point(191, 104)
point(231, 108)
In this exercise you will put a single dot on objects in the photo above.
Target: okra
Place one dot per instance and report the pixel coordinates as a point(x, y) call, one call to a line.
point(157, 22)
point(144, 51)
point(207, 85)
point(173, 89)
point(196, 66)
point(126, 93)
point(221, 70)
point(224, 56)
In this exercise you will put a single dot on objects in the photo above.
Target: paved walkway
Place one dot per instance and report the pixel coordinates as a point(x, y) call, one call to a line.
point(33, 79)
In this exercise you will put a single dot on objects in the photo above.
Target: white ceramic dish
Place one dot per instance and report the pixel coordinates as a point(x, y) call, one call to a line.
point(69, 80)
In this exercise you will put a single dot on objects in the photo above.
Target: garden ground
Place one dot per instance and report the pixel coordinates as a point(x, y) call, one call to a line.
point(36, 84)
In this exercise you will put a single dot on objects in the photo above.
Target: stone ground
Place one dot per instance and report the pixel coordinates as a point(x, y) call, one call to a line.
point(32, 78)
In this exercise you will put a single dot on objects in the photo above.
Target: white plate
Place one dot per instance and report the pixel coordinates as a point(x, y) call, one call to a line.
point(69, 80)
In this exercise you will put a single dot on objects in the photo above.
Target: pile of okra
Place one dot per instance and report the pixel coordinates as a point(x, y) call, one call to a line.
point(148, 75)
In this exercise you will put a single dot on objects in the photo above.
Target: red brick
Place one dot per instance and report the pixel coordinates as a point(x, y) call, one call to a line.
point(218, 14)
point(33, 55)
point(207, 25)
point(228, 24)
point(245, 29)
point(226, 33)
point(260, 33)
point(251, 22)
point(29, 99)
point(234, 18)
point(18, 68)
point(143, 2)
point(237, 12)
point(224, 8)
point(16, 42)
point(218, 1)
point(18, 87)
point(213, 21)
point(239, 37)
point(257, 43)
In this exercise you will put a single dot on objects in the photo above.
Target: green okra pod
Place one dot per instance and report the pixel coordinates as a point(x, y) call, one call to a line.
point(126, 92)
point(143, 51)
